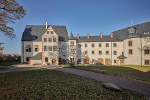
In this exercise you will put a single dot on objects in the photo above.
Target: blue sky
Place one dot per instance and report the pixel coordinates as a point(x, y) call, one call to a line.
point(82, 16)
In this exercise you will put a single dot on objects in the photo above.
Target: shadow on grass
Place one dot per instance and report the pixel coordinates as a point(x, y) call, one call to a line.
point(9, 63)
point(121, 71)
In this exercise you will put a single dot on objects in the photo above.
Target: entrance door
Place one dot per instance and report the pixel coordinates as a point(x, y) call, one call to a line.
point(121, 61)
point(53, 62)
point(100, 61)
point(107, 61)
point(86, 61)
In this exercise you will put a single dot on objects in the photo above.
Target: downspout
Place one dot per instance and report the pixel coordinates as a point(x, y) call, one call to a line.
point(141, 49)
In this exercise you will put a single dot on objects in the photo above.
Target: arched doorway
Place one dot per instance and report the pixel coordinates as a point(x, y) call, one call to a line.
point(86, 61)
point(107, 61)
point(53, 62)
point(100, 61)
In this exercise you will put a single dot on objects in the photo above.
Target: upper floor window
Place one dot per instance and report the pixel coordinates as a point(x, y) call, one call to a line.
point(115, 52)
point(51, 32)
point(93, 52)
point(114, 44)
point(107, 52)
point(85, 45)
point(130, 51)
point(36, 48)
point(79, 52)
point(72, 42)
point(100, 45)
point(28, 48)
point(63, 47)
point(129, 43)
point(85, 52)
point(79, 45)
point(45, 39)
point(45, 48)
point(146, 51)
point(59, 43)
point(72, 51)
point(107, 44)
point(54, 48)
point(47, 32)
point(60, 49)
point(50, 48)
point(92, 44)
point(54, 39)
point(50, 39)
point(100, 52)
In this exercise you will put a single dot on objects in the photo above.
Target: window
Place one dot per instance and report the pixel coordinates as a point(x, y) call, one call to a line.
point(54, 48)
point(63, 47)
point(129, 43)
point(79, 45)
point(60, 49)
point(85, 45)
point(100, 45)
point(46, 59)
point(115, 52)
point(50, 39)
point(45, 48)
point(93, 52)
point(130, 51)
point(93, 60)
point(28, 49)
point(114, 45)
point(147, 62)
point(79, 61)
point(54, 39)
point(92, 44)
point(59, 43)
point(146, 51)
point(45, 39)
point(72, 51)
point(64, 54)
point(47, 32)
point(51, 32)
point(107, 44)
point(28, 58)
point(50, 48)
point(115, 61)
point(100, 52)
point(36, 48)
point(79, 52)
point(85, 52)
point(72, 42)
point(107, 52)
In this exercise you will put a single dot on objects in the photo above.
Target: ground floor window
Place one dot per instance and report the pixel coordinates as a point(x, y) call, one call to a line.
point(28, 58)
point(115, 61)
point(46, 59)
point(147, 62)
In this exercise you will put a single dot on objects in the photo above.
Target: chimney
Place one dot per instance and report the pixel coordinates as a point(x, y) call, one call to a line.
point(77, 36)
point(101, 35)
point(111, 35)
point(46, 24)
point(88, 35)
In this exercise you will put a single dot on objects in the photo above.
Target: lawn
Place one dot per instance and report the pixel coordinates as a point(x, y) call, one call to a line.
point(141, 73)
point(51, 84)
point(9, 63)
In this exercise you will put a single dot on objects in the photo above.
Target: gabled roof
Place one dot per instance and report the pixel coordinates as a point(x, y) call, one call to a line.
point(140, 29)
point(35, 32)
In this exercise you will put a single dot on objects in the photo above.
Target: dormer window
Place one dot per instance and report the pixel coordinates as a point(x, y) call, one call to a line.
point(47, 32)
point(132, 30)
point(51, 32)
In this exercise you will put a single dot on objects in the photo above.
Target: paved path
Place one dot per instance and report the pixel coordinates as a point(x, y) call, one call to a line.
point(140, 87)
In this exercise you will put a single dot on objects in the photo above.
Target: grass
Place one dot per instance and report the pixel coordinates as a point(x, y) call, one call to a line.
point(51, 84)
point(9, 63)
point(141, 73)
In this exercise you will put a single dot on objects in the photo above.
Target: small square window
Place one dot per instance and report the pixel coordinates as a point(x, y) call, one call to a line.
point(93, 45)
point(130, 51)
point(50, 40)
point(107, 52)
point(54, 39)
point(100, 52)
point(146, 51)
point(85, 52)
point(130, 43)
point(85, 45)
point(45, 48)
point(93, 52)
point(51, 32)
point(115, 52)
point(114, 45)
point(50, 48)
point(107, 44)
point(45, 39)
point(100, 45)
point(147, 62)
